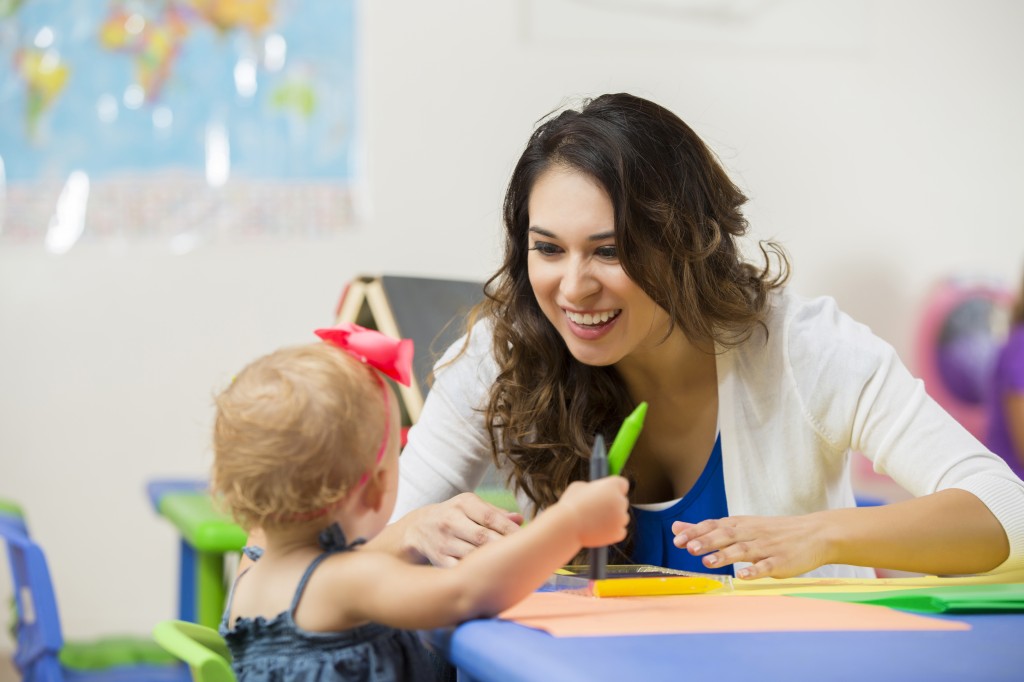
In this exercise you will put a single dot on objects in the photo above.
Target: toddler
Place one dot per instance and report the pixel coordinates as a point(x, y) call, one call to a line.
point(306, 446)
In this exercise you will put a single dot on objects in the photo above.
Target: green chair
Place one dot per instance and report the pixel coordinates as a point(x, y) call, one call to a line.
point(11, 510)
point(207, 536)
point(202, 648)
point(495, 491)
point(499, 497)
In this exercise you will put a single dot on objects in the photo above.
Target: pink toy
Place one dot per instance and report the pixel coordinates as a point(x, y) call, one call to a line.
point(963, 325)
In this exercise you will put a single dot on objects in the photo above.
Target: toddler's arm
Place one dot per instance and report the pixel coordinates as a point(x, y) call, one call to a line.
point(379, 587)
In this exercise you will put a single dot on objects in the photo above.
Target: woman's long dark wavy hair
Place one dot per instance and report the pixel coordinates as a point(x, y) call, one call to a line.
point(677, 220)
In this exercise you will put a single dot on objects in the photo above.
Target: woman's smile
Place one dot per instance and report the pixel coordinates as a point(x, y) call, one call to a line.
point(591, 325)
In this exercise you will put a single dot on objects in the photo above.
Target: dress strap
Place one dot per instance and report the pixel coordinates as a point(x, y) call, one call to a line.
point(332, 540)
point(231, 593)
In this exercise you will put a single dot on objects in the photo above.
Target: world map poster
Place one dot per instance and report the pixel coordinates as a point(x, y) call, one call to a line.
point(186, 120)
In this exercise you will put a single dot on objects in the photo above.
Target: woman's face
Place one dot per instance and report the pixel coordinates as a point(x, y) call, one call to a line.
point(574, 270)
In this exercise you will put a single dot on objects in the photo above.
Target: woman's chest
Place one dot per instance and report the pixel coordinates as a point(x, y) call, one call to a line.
point(672, 452)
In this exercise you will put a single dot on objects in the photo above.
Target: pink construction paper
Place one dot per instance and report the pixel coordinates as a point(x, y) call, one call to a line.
point(569, 615)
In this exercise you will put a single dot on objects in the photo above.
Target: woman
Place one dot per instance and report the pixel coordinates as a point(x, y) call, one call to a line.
point(623, 282)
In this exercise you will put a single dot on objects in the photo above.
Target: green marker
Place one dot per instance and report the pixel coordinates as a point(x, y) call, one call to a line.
point(625, 439)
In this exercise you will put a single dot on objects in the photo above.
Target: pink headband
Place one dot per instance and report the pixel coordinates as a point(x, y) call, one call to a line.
point(390, 356)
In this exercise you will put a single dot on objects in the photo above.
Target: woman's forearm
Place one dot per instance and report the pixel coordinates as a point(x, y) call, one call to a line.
point(950, 532)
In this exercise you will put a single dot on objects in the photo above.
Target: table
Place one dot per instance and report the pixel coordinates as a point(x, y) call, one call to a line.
point(207, 537)
point(500, 650)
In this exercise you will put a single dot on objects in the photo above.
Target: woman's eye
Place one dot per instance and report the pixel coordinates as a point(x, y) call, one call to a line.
point(546, 248)
point(607, 252)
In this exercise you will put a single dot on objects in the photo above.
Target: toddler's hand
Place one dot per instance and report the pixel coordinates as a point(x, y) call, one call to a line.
point(601, 508)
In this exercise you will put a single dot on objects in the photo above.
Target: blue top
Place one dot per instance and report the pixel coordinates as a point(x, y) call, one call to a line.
point(277, 649)
point(705, 500)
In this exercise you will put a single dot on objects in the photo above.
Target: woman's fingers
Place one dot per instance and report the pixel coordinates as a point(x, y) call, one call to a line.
point(452, 552)
point(486, 516)
point(698, 538)
point(458, 526)
point(780, 546)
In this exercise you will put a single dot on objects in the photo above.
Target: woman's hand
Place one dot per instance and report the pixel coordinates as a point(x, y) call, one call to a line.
point(951, 532)
point(776, 546)
point(444, 533)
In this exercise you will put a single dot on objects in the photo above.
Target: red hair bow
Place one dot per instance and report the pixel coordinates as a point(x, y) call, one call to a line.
point(391, 356)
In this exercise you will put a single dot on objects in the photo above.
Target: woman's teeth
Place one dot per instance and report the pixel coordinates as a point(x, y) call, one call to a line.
point(592, 318)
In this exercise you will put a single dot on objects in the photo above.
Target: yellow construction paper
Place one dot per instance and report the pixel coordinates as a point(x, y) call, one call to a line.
point(782, 586)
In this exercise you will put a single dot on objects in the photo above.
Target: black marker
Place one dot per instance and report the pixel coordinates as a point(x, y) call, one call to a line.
point(598, 470)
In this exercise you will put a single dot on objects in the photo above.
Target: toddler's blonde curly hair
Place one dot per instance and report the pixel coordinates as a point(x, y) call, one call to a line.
point(293, 433)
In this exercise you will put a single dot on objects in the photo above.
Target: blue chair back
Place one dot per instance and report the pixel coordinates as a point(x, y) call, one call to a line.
point(12, 513)
point(38, 631)
point(38, 637)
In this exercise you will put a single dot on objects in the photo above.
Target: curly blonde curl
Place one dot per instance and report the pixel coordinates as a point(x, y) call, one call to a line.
point(293, 433)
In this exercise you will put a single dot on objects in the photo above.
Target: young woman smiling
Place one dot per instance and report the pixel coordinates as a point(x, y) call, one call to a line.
point(623, 282)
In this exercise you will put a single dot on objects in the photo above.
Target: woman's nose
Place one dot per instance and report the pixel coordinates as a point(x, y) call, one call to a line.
point(578, 281)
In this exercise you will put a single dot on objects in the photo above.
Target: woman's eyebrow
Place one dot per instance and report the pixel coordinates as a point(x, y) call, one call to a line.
point(600, 236)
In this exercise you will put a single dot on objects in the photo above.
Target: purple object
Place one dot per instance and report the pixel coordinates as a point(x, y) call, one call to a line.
point(1007, 378)
point(965, 365)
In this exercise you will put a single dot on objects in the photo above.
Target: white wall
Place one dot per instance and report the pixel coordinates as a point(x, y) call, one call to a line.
point(880, 141)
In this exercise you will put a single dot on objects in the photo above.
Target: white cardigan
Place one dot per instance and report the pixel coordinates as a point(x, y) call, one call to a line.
point(791, 408)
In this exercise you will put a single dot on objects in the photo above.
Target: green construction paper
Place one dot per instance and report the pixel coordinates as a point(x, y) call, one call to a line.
point(992, 598)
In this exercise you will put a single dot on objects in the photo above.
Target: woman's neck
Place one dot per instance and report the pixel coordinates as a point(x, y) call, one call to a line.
point(670, 370)
point(679, 380)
